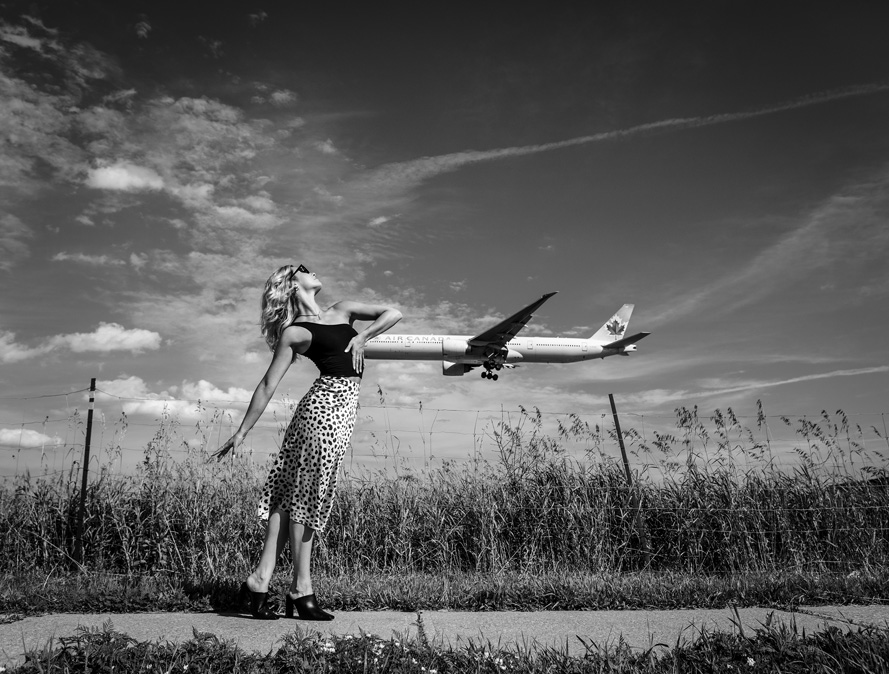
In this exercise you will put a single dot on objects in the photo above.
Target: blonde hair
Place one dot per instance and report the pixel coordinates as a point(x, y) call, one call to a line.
point(278, 307)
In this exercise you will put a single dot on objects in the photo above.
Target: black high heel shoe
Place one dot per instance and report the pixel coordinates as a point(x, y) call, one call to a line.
point(258, 607)
point(306, 608)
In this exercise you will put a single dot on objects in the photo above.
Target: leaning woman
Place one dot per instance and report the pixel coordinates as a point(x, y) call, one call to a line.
point(300, 490)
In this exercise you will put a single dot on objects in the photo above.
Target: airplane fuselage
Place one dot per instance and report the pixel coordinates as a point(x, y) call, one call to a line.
point(456, 349)
point(500, 347)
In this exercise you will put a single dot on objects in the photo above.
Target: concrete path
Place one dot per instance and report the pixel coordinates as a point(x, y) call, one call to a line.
point(562, 629)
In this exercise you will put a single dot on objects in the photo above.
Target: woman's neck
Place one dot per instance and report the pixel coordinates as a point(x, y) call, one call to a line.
point(308, 309)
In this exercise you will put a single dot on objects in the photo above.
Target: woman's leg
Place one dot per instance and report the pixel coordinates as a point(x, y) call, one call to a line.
point(275, 538)
point(301, 537)
point(301, 599)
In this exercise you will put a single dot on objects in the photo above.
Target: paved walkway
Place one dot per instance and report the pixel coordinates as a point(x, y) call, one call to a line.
point(640, 629)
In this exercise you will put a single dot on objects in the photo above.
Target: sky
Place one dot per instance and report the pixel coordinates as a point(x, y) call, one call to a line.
point(723, 166)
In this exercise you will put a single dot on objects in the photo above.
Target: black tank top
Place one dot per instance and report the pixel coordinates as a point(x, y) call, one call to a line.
point(328, 348)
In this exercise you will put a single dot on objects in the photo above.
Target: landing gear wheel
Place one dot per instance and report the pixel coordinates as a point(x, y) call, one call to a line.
point(494, 377)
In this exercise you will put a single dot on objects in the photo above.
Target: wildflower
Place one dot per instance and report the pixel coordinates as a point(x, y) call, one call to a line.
point(751, 662)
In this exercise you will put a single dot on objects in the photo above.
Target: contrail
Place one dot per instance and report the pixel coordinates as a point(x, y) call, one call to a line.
point(417, 170)
point(809, 377)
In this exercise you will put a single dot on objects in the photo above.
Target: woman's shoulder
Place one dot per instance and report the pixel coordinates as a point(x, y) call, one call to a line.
point(341, 306)
point(296, 333)
point(340, 311)
point(361, 311)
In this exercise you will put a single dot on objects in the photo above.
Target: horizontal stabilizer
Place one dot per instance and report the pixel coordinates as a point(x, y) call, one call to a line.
point(626, 341)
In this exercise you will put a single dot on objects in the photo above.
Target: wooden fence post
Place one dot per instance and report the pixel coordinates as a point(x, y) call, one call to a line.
point(635, 500)
point(78, 541)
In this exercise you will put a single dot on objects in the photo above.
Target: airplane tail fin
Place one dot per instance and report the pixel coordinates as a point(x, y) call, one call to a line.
point(616, 327)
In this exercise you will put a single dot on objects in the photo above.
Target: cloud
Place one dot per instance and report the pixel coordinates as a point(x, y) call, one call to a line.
point(754, 385)
point(283, 97)
point(718, 388)
point(124, 387)
point(12, 352)
point(75, 63)
point(35, 126)
point(204, 390)
point(143, 28)
point(848, 228)
point(135, 387)
point(188, 401)
point(138, 260)
point(208, 156)
point(13, 236)
point(94, 260)
point(18, 35)
point(403, 174)
point(326, 147)
point(120, 97)
point(257, 18)
point(124, 176)
point(25, 438)
point(106, 338)
point(110, 337)
point(240, 218)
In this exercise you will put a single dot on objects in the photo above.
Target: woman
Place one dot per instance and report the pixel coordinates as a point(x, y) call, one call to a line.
point(301, 486)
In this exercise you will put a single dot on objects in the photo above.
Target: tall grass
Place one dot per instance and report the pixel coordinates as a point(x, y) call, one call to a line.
point(712, 502)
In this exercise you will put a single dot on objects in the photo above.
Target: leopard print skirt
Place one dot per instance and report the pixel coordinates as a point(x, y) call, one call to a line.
point(303, 477)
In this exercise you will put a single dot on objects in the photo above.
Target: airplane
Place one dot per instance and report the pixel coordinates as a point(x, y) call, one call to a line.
point(499, 347)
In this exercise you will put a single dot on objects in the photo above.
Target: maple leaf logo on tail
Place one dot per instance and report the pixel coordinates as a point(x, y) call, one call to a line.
point(616, 328)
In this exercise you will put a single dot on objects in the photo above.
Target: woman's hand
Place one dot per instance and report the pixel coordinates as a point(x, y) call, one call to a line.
point(356, 346)
point(231, 444)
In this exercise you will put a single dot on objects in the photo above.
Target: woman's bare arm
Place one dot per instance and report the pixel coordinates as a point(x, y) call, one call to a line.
point(383, 318)
point(294, 340)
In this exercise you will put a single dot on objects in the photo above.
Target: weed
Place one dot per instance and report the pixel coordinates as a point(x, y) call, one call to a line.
point(716, 512)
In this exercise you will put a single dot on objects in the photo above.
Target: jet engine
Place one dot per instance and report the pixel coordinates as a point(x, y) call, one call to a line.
point(454, 349)
point(454, 369)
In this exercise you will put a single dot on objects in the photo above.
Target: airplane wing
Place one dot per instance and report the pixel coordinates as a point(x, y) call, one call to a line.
point(504, 331)
point(626, 341)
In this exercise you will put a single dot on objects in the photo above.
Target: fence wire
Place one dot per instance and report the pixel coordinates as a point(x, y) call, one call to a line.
point(842, 459)
point(390, 436)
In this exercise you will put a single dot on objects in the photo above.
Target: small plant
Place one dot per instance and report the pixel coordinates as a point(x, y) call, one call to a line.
point(770, 649)
point(714, 503)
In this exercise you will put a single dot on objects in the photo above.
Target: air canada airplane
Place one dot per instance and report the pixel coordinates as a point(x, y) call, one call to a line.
point(500, 347)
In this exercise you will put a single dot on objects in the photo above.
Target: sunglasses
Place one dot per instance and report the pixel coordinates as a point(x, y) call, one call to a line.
point(302, 268)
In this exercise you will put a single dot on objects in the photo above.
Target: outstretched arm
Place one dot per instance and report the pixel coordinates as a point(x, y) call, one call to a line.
point(284, 354)
point(383, 318)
